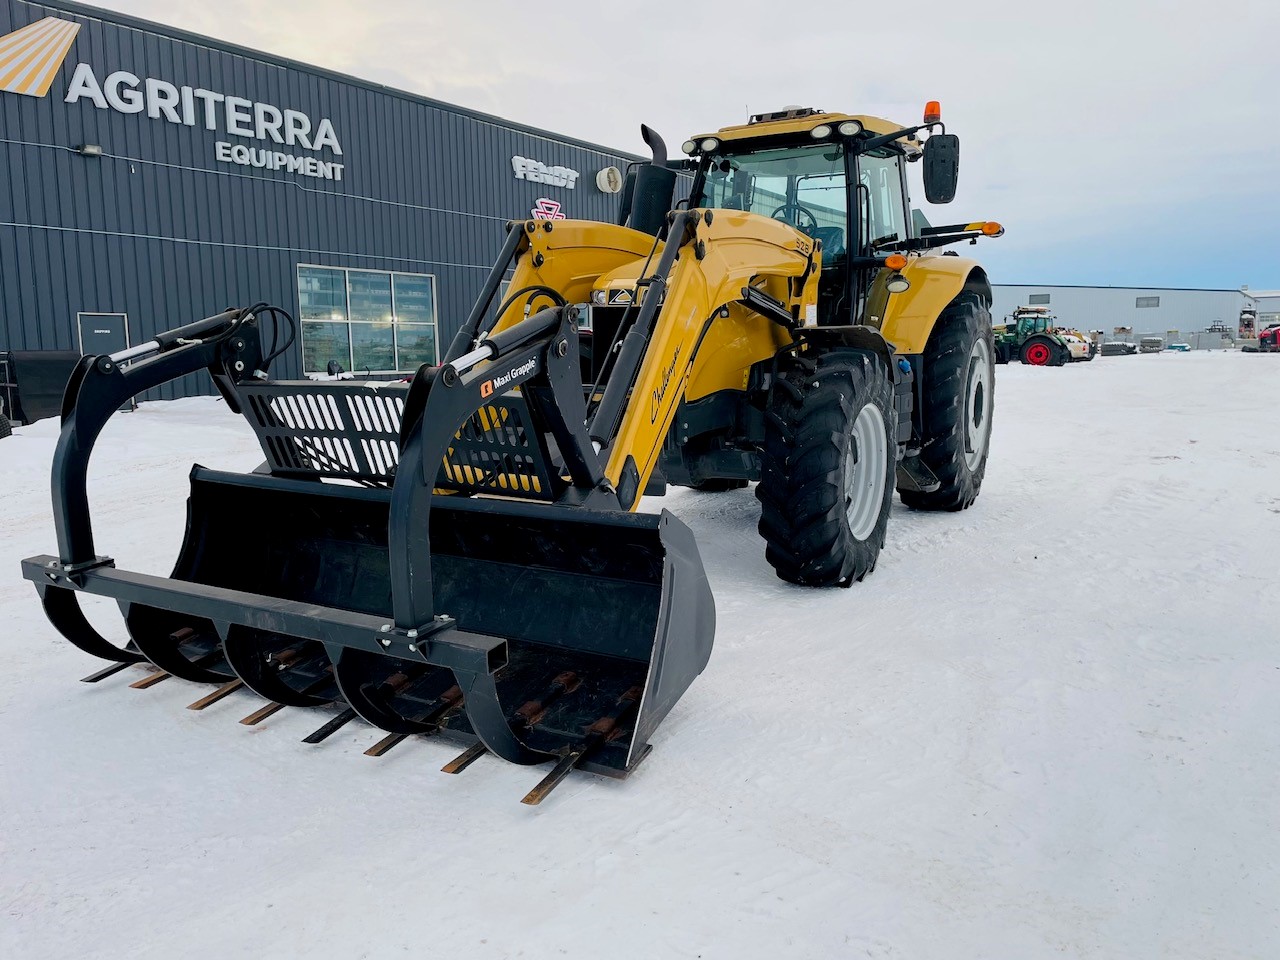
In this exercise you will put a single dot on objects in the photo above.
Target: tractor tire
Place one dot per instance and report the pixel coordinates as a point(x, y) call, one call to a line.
point(1037, 352)
point(1041, 351)
point(827, 469)
point(718, 484)
point(6, 428)
point(957, 401)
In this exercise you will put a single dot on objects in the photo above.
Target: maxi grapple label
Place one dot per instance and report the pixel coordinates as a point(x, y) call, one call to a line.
point(510, 378)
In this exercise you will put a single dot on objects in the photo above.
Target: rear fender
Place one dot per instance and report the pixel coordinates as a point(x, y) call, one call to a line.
point(909, 317)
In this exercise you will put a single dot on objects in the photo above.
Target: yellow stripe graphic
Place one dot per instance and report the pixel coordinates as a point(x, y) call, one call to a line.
point(30, 57)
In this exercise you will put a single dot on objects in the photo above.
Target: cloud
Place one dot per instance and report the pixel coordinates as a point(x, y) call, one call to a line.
point(1077, 120)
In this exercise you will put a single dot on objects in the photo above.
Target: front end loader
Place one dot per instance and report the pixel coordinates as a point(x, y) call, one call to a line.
point(461, 556)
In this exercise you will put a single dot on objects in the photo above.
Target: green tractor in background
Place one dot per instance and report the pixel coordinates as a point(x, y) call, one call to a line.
point(1029, 335)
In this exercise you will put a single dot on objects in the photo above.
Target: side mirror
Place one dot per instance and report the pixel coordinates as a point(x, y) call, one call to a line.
point(941, 167)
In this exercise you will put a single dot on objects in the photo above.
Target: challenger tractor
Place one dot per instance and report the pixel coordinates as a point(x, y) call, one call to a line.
point(461, 556)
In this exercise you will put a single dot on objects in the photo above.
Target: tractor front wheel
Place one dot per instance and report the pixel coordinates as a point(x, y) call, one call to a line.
point(827, 468)
point(957, 394)
point(717, 484)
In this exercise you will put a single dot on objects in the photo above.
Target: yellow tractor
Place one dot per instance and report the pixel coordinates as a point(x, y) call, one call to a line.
point(461, 556)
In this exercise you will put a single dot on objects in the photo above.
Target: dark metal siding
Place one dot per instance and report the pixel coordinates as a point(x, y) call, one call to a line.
point(160, 230)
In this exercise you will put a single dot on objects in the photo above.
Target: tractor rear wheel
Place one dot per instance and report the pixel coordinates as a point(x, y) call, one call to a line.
point(6, 428)
point(1039, 352)
point(957, 399)
point(827, 468)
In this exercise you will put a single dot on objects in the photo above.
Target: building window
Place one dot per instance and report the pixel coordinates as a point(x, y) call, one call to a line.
point(368, 321)
point(1147, 302)
point(1037, 299)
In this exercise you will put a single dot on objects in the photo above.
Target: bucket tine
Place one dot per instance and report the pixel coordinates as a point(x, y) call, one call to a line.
point(385, 744)
point(449, 702)
point(332, 727)
point(179, 636)
point(263, 712)
point(150, 680)
point(529, 714)
point(548, 783)
point(466, 758)
point(280, 661)
point(598, 734)
point(102, 674)
point(209, 700)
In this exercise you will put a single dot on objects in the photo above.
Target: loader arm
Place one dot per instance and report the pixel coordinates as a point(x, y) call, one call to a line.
point(698, 275)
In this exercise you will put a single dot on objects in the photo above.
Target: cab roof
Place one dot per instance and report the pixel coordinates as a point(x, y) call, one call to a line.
point(793, 120)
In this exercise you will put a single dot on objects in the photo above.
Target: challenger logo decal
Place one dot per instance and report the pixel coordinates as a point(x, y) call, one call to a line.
point(30, 57)
point(660, 393)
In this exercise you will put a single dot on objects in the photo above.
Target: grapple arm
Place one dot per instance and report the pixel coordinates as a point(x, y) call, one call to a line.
point(227, 345)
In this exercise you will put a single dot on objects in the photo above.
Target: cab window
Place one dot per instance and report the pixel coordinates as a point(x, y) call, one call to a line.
point(884, 203)
point(802, 186)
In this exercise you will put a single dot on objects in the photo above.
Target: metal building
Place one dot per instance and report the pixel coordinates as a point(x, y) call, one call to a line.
point(1268, 306)
point(155, 177)
point(1146, 311)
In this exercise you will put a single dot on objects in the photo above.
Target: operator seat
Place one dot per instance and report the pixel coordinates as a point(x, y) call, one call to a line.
point(832, 239)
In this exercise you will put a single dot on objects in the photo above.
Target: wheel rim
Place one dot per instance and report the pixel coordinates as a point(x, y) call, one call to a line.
point(864, 472)
point(977, 405)
point(1038, 354)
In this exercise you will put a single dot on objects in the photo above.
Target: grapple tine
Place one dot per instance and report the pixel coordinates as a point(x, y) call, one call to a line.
point(209, 700)
point(150, 680)
point(105, 672)
point(332, 727)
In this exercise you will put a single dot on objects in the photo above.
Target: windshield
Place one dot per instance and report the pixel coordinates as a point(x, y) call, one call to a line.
point(802, 186)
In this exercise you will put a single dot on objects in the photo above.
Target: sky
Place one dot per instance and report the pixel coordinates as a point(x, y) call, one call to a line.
point(1123, 142)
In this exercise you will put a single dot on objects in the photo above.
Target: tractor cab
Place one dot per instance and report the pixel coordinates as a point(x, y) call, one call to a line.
point(1032, 320)
point(838, 179)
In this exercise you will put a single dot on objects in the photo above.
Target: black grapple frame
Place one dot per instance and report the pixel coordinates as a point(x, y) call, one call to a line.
point(438, 557)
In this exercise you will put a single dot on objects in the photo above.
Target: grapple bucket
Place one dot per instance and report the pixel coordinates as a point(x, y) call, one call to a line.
point(592, 606)
point(446, 557)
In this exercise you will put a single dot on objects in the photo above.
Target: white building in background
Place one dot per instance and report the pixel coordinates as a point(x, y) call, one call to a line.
point(1147, 311)
point(1268, 306)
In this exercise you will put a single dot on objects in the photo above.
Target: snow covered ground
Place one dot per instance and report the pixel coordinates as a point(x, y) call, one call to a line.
point(1046, 727)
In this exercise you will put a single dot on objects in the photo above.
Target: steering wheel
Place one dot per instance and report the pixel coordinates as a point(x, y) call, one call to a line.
point(795, 214)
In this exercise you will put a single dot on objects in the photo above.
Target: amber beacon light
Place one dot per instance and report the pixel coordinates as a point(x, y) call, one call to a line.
point(933, 112)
